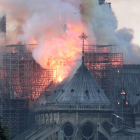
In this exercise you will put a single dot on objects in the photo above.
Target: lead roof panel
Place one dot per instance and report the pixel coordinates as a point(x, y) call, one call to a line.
point(82, 88)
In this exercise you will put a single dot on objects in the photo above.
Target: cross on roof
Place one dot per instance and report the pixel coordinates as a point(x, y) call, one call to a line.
point(83, 36)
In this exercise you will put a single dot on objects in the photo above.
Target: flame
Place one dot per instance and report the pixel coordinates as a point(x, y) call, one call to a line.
point(30, 87)
point(123, 92)
point(59, 60)
point(126, 102)
point(60, 52)
point(118, 71)
point(15, 51)
point(59, 79)
point(56, 49)
point(60, 47)
point(33, 41)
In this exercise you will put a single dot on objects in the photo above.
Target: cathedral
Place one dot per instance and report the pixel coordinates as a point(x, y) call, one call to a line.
point(101, 101)
point(79, 110)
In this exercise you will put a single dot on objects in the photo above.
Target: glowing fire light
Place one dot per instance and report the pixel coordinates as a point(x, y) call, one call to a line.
point(123, 92)
point(63, 53)
point(39, 81)
point(59, 79)
point(118, 103)
point(126, 103)
point(118, 71)
point(59, 48)
point(15, 51)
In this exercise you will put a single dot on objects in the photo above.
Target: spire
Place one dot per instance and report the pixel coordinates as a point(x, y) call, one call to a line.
point(83, 37)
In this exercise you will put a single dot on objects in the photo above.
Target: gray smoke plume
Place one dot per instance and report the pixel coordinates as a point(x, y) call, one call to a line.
point(42, 22)
point(104, 25)
point(105, 30)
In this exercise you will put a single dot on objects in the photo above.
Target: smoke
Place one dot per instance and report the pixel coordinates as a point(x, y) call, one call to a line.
point(43, 22)
point(127, 12)
point(14, 17)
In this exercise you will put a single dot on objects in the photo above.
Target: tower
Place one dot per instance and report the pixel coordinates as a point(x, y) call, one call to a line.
point(101, 1)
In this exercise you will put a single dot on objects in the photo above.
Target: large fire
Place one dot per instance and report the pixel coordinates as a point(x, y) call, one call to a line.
point(28, 80)
point(55, 26)
point(63, 53)
point(60, 48)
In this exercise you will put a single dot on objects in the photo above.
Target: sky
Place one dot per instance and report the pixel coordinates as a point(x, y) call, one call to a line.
point(128, 15)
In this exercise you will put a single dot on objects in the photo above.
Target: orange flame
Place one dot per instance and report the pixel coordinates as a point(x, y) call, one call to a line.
point(126, 103)
point(123, 92)
point(59, 79)
point(61, 52)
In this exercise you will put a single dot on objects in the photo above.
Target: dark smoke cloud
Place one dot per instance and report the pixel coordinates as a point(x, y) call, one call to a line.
point(39, 20)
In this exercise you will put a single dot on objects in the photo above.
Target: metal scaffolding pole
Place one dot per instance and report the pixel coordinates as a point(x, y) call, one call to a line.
point(22, 80)
point(106, 67)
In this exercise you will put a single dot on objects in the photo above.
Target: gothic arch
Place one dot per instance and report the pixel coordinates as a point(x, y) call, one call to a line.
point(67, 121)
point(87, 121)
point(87, 130)
point(68, 130)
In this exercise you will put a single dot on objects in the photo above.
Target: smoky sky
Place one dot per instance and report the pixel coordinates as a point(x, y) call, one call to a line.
point(39, 20)
point(128, 15)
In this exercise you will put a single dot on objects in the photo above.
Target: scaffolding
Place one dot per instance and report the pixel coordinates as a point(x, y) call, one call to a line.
point(23, 77)
point(22, 81)
point(106, 68)
point(16, 113)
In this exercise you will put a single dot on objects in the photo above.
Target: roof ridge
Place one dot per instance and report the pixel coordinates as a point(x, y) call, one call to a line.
point(83, 84)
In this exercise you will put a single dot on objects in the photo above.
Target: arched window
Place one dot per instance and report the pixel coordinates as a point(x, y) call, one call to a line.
point(68, 131)
point(87, 131)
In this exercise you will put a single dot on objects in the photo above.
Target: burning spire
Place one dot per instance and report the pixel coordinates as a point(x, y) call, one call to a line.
point(83, 37)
